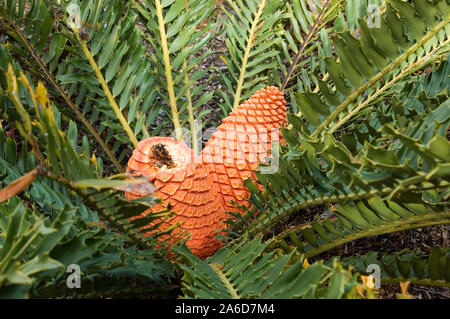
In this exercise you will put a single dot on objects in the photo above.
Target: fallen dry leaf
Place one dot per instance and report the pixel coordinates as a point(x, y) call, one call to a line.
point(17, 186)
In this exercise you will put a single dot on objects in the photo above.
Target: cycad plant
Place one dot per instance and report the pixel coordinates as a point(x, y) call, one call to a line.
point(364, 147)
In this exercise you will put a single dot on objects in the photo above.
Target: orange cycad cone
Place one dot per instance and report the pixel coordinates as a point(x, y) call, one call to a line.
point(186, 185)
point(200, 192)
point(241, 141)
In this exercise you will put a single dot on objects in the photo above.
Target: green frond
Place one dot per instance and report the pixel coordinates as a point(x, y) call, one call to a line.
point(117, 95)
point(51, 55)
point(252, 37)
point(313, 172)
point(20, 232)
point(366, 146)
point(77, 237)
point(48, 195)
point(77, 172)
point(304, 34)
point(311, 16)
point(369, 66)
point(36, 250)
point(246, 271)
point(431, 269)
point(354, 220)
point(179, 38)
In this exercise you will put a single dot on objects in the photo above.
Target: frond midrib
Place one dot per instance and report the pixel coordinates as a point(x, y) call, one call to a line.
point(226, 282)
point(439, 218)
point(416, 281)
point(251, 37)
point(263, 225)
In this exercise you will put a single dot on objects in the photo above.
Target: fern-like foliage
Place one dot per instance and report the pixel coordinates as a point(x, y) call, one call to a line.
point(408, 37)
point(415, 161)
point(368, 133)
point(65, 166)
point(245, 271)
point(304, 19)
point(19, 261)
point(415, 266)
point(355, 220)
point(63, 225)
point(387, 167)
point(82, 239)
point(178, 36)
point(253, 36)
point(47, 194)
point(36, 250)
point(115, 94)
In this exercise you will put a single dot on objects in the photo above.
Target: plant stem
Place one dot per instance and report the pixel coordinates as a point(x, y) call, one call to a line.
point(415, 281)
point(109, 96)
point(168, 71)
point(92, 203)
point(264, 220)
point(231, 290)
point(305, 42)
point(240, 84)
point(403, 224)
point(190, 112)
point(406, 71)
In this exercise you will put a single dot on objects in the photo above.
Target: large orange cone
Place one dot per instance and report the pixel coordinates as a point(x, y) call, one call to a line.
point(241, 141)
point(186, 185)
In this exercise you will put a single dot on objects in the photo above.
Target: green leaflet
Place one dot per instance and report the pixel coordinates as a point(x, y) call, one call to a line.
point(175, 59)
point(35, 262)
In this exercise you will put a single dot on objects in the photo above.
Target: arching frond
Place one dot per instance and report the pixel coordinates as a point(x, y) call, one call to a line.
point(245, 271)
point(414, 266)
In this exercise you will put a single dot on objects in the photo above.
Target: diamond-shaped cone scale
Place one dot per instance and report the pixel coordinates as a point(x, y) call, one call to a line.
point(186, 185)
point(242, 140)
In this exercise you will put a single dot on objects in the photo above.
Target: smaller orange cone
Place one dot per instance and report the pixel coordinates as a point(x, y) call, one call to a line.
point(185, 184)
